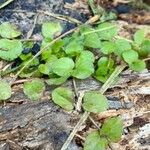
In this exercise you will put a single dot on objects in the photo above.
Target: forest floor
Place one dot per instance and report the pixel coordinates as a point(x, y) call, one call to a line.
point(26, 125)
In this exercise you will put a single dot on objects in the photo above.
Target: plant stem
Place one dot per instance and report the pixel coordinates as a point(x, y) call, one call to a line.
point(85, 115)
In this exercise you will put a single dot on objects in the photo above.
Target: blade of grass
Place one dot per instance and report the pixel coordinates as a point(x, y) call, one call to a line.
point(6, 3)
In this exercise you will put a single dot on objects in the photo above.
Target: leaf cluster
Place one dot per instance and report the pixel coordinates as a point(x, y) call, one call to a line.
point(110, 131)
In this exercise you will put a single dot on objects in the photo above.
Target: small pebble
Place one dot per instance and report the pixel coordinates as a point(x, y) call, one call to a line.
point(122, 8)
point(69, 1)
point(35, 48)
point(68, 27)
point(26, 51)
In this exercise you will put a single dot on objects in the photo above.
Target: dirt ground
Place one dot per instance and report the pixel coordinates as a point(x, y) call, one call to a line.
point(44, 126)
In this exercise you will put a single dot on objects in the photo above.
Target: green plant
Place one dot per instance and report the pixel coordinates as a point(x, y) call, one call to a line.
point(110, 131)
point(91, 51)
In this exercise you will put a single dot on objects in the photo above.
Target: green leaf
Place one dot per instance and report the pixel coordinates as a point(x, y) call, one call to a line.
point(8, 30)
point(25, 57)
point(56, 81)
point(44, 69)
point(45, 42)
point(107, 47)
point(112, 128)
point(46, 54)
point(50, 29)
point(95, 102)
point(121, 46)
point(74, 47)
point(103, 61)
point(84, 65)
point(145, 48)
point(107, 31)
point(62, 66)
point(10, 49)
point(34, 89)
point(56, 47)
point(5, 90)
point(26, 73)
point(63, 97)
point(138, 65)
point(95, 142)
point(105, 68)
point(90, 40)
point(130, 56)
point(139, 36)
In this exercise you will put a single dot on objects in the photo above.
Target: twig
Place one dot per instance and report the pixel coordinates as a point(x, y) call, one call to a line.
point(29, 34)
point(92, 120)
point(76, 128)
point(21, 81)
point(79, 101)
point(111, 79)
point(147, 59)
point(79, 136)
point(61, 17)
point(99, 30)
point(75, 87)
point(6, 3)
point(105, 86)
point(6, 67)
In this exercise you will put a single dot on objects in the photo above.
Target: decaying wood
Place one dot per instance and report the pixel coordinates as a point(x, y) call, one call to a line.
point(34, 125)
point(24, 124)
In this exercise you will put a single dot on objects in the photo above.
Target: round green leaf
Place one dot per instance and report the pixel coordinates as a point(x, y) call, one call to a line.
point(121, 46)
point(10, 49)
point(138, 65)
point(34, 89)
point(62, 66)
point(5, 90)
point(84, 65)
point(105, 68)
point(63, 97)
point(139, 36)
point(95, 142)
point(95, 102)
point(107, 31)
point(145, 48)
point(112, 128)
point(50, 29)
point(74, 47)
point(90, 40)
point(130, 56)
point(8, 30)
point(107, 47)
point(44, 69)
point(56, 81)
point(103, 61)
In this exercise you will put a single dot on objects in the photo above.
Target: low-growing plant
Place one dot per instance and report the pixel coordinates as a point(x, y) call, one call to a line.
point(91, 51)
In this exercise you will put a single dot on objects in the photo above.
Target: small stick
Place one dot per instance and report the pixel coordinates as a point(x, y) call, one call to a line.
point(29, 34)
point(92, 120)
point(79, 136)
point(75, 87)
point(61, 17)
point(6, 3)
point(76, 128)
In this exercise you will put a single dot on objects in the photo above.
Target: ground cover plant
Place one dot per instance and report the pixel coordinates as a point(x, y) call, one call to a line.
point(95, 51)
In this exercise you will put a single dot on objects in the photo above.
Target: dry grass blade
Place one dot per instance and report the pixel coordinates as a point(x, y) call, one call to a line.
point(6, 3)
